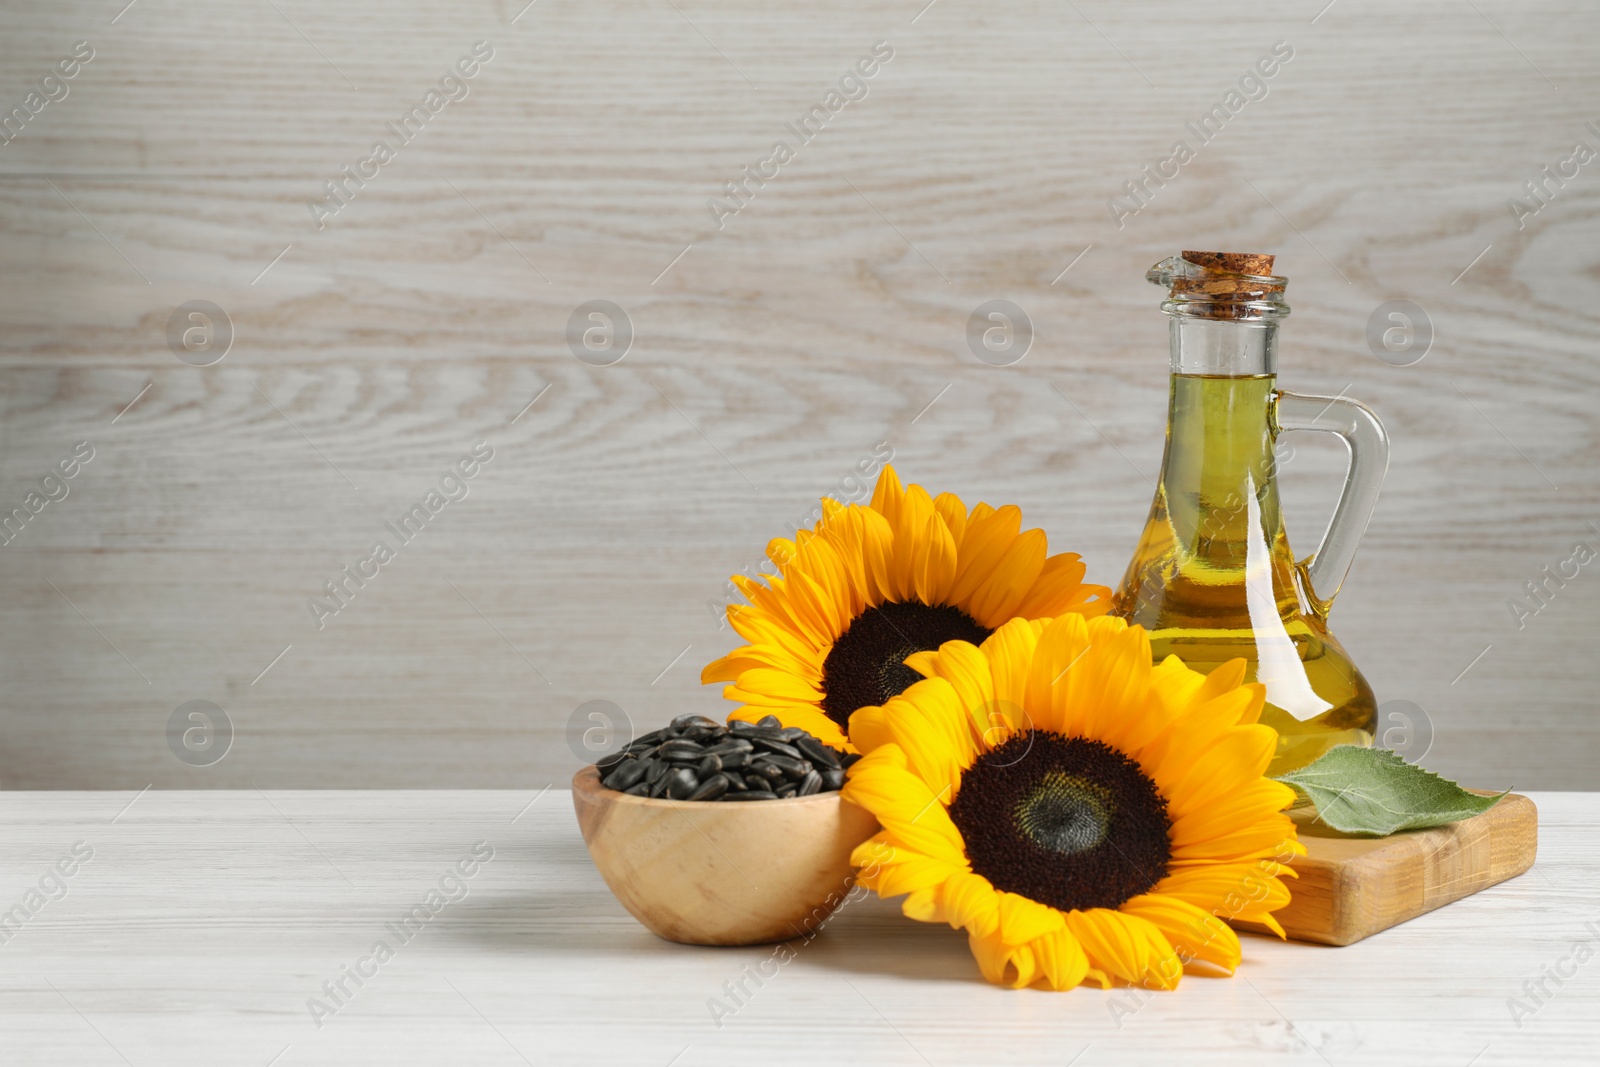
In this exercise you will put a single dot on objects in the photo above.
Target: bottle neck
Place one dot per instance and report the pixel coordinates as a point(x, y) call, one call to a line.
point(1219, 471)
point(1221, 348)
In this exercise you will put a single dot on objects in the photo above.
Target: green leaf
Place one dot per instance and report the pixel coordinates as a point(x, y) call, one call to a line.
point(1374, 792)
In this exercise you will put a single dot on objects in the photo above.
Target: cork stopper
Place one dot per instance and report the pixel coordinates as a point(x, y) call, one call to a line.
point(1221, 285)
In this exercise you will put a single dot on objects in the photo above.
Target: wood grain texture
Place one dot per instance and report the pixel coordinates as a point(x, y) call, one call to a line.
point(769, 355)
point(1349, 888)
point(205, 921)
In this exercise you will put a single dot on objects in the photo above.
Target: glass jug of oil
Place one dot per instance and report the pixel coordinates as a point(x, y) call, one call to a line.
point(1213, 578)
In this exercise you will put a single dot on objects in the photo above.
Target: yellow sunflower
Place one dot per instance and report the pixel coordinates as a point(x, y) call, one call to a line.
point(1080, 812)
point(869, 586)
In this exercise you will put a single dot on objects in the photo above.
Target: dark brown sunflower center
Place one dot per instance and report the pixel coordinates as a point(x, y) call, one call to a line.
point(1068, 822)
point(867, 664)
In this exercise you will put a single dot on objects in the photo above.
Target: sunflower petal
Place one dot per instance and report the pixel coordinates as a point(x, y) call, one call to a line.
point(766, 686)
point(966, 669)
point(923, 905)
point(925, 547)
point(1059, 589)
point(1023, 920)
point(1252, 805)
point(888, 495)
point(912, 874)
point(1125, 946)
point(1061, 645)
point(1174, 684)
point(863, 541)
point(971, 903)
point(1062, 962)
point(1010, 651)
point(1263, 839)
point(912, 814)
point(869, 728)
point(1011, 579)
point(1245, 891)
point(954, 514)
point(988, 536)
point(1109, 691)
point(992, 956)
point(1194, 934)
point(927, 724)
point(1239, 757)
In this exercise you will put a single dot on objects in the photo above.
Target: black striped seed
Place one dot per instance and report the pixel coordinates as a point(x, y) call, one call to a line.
point(695, 759)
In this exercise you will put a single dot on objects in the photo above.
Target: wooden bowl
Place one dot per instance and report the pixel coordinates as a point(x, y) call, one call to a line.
point(718, 873)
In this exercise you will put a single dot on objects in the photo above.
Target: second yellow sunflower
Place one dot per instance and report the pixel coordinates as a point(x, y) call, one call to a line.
point(1080, 813)
point(870, 586)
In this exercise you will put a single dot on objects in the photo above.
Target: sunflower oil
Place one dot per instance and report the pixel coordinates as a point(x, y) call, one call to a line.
point(1213, 578)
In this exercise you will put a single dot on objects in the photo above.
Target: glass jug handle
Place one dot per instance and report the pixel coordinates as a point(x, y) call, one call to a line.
point(1323, 572)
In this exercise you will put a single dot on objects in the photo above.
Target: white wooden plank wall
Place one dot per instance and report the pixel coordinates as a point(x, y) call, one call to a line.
point(768, 356)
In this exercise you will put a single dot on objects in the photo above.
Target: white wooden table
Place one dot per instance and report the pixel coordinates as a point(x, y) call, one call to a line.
point(204, 922)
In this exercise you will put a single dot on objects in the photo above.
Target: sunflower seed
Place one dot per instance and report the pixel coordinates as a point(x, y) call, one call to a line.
point(793, 769)
point(695, 758)
point(771, 745)
point(848, 759)
point(818, 753)
point(711, 788)
point(758, 734)
point(630, 773)
point(765, 769)
point(681, 751)
point(681, 782)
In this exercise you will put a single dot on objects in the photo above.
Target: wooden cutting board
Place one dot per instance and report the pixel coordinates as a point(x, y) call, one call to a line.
point(1353, 887)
